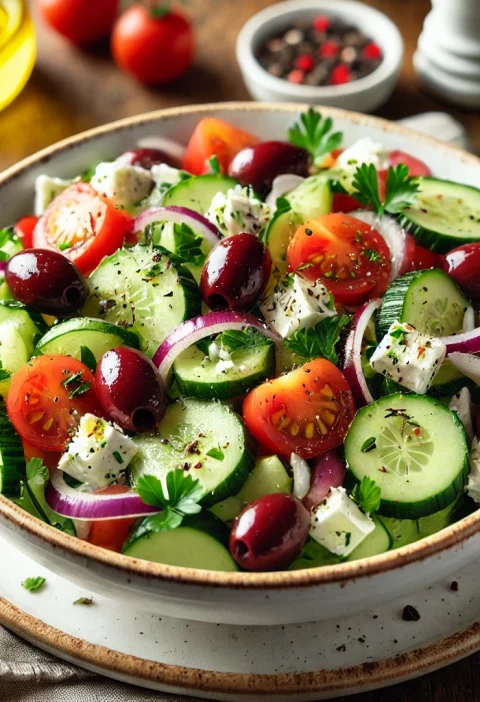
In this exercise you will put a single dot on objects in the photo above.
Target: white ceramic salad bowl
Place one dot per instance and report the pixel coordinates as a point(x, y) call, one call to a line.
point(239, 598)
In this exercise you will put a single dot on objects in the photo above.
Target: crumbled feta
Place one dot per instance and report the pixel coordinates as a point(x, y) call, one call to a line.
point(296, 304)
point(125, 185)
point(165, 175)
point(408, 357)
point(98, 453)
point(238, 211)
point(46, 190)
point(338, 524)
point(473, 485)
point(362, 151)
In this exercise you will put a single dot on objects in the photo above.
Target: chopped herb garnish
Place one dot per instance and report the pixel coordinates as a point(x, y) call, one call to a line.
point(367, 495)
point(216, 453)
point(88, 359)
point(373, 256)
point(117, 457)
point(188, 245)
point(4, 374)
point(80, 390)
point(313, 133)
point(368, 445)
point(213, 165)
point(88, 174)
point(84, 601)
point(64, 245)
point(34, 584)
point(319, 341)
point(74, 378)
point(233, 340)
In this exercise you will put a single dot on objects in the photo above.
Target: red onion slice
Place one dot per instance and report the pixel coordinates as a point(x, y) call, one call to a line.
point(282, 185)
point(329, 471)
point(467, 342)
point(198, 328)
point(169, 146)
point(352, 364)
point(178, 215)
point(75, 504)
point(394, 235)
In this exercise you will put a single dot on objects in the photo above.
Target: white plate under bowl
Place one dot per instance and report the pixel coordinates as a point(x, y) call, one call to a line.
point(242, 664)
point(235, 598)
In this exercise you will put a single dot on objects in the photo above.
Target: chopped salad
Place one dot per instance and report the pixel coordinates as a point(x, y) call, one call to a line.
point(244, 354)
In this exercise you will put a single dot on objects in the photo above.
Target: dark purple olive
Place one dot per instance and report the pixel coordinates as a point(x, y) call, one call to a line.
point(130, 390)
point(46, 281)
point(146, 158)
point(260, 164)
point(235, 273)
point(270, 533)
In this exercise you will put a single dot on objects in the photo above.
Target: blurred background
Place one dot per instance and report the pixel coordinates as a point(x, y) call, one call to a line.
point(72, 89)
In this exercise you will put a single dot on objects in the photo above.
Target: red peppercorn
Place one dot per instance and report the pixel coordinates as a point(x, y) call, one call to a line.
point(372, 51)
point(329, 49)
point(296, 76)
point(340, 74)
point(305, 62)
point(321, 23)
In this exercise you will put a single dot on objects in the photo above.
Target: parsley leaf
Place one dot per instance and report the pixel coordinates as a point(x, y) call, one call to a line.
point(400, 189)
point(181, 496)
point(319, 341)
point(213, 165)
point(367, 495)
point(34, 584)
point(216, 453)
point(4, 374)
point(88, 359)
point(188, 245)
point(365, 182)
point(151, 491)
point(37, 472)
point(313, 133)
point(242, 339)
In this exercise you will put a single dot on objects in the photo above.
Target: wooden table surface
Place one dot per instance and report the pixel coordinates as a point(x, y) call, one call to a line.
point(72, 90)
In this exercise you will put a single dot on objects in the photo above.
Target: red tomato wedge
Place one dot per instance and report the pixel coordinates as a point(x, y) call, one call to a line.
point(214, 137)
point(47, 398)
point(83, 225)
point(111, 533)
point(24, 230)
point(351, 259)
point(307, 411)
point(415, 166)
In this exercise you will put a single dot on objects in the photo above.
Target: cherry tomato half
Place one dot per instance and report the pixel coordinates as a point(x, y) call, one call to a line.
point(47, 398)
point(111, 533)
point(24, 230)
point(155, 48)
point(415, 166)
point(79, 21)
point(307, 411)
point(49, 458)
point(83, 225)
point(214, 137)
point(351, 259)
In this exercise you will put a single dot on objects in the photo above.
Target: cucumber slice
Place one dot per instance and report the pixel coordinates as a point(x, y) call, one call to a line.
point(313, 197)
point(444, 214)
point(198, 192)
point(378, 541)
point(407, 531)
point(207, 438)
point(268, 476)
point(67, 338)
point(228, 509)
point(12, 458)
point(199, 542)
point(428, 300)
point(13, 354)
point(420, 459)
point(278, 233)
point(197, 375)
point(314, 555)
point(30, 326)
point(143, 290)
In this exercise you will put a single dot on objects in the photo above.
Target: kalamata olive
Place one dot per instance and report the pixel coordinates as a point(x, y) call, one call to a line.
point(235, 273)
point(463, 265)
point(258, 165)
point(270, 533)
point(130, 390)
point(146, 158)
point(46, 281)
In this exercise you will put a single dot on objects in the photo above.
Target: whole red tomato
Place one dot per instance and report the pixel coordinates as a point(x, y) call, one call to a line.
point(153, 44)
point(80, 21)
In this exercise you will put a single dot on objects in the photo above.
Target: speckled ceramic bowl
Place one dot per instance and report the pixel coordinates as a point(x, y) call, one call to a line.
point(243, 598)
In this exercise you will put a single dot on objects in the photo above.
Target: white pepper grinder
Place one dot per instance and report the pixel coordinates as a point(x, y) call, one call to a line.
point(448, 52)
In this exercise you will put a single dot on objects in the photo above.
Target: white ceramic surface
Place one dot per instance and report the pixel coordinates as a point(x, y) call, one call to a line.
point(377, 643)
point(363, 95)
point(238, 598)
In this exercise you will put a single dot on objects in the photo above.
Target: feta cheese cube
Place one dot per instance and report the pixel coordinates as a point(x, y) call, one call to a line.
point(473, 484)
point(46, 190)
point(408, 357)
point(98, 453)
point(238, 211)
point(296, 304)
point(165, 175)
point(123, 184)
point(338, 524)
point(362, 151)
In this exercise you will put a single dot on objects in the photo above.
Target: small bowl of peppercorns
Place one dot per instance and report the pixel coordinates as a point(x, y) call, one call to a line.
point(326, 52)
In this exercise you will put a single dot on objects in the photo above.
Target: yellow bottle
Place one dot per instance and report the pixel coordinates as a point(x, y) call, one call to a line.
point(17, 48)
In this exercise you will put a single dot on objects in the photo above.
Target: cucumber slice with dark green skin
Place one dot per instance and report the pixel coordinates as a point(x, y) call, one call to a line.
point(419, 458)
point(428, 300)
point(141, 289)
point(199, 542)
point(196, 374)
point(207, 439)
point(313, 197)
point(12, 458)
point(278, 233)
point(314, 555)
point(198, 192)
point(29, 325)
point(443, 215)
point(67, 338)
point(407, 531)
point(378, 541)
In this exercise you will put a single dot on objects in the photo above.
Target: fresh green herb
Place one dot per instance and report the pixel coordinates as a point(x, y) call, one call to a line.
point(117, 457)
point(80, 390)
point(313, 133)
point(3, 256)
point(368, 445)
point(84, 601)
point(188, 245)
point(34, 584)
point(282, 205)
point(214, 165)
point(398, 333)
point(319, 341)
point(373, 256)
point(400, 189)
point(365, 182)
point(64, 245)
point(37, 472)
point(88, 359)
point(8, 236)
point(73, 378)
point(88, 174)
point(4, 374)
point(367, 495)
point(159, 11)
point(248, 338)
point(216, 453)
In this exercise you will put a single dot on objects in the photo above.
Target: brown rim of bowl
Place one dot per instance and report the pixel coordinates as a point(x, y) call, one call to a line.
point(340, 680)
point(442, 540)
